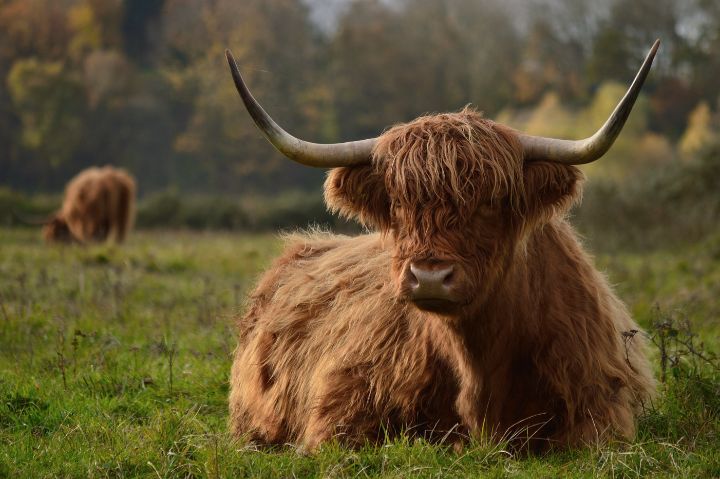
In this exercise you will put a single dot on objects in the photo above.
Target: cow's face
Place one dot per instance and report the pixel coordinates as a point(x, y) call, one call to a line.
point(57, 230)
point(456, 196)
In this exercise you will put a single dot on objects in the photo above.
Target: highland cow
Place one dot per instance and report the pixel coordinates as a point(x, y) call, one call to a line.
point(473, 310)
point(99, 205)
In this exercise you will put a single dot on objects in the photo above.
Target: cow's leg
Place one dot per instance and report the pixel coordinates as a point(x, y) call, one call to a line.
point(468, 407)
point(122, 218)
point(592, 402)
point(601, 413)
point(254, 405)
point(344, 409)
point(111, 212)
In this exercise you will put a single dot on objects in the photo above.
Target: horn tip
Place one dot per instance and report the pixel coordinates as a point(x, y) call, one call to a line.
point(655, 46)
point(229, 55)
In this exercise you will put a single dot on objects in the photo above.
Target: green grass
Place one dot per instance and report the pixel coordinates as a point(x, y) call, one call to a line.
point(114, 363)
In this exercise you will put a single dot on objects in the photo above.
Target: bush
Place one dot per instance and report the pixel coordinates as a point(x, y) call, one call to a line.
point(158, 210)
point(290, 210)
point(689, 380)
point(674, 204)
point(169, 210)
point(13, 203)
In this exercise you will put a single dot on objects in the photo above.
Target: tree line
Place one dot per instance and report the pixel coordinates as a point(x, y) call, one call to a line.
point(143, 84)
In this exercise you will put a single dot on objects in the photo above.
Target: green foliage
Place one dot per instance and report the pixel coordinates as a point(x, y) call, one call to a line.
point(610, 44)
point(551, 118)
point(258, 213)
point(13, 203)
point(144, 85)
point(48, 100)
point(660, 206)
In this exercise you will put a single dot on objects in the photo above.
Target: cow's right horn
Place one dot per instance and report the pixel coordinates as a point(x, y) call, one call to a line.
point(578, 152)
point(310, 154)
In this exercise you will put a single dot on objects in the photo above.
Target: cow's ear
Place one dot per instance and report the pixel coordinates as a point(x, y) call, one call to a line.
point(359, 192)
point(550, 189)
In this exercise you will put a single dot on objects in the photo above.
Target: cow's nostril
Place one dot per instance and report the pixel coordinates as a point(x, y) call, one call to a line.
point(412, 279)
point(449, 278)
point(435, 280)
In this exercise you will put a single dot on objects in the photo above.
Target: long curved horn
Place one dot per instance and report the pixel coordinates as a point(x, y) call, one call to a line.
point(578, 152)
point(310, 154)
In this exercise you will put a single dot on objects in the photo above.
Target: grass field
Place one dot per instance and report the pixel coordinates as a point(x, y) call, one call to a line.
point(114, 363)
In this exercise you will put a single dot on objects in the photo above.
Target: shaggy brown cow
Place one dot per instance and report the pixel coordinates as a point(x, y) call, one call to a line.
point(99, 204)
point(473, 311)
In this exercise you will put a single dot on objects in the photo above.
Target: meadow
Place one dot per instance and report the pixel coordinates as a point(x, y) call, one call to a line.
point(114, 363)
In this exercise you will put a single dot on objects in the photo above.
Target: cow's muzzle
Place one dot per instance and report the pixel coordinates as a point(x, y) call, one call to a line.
point(432, 285)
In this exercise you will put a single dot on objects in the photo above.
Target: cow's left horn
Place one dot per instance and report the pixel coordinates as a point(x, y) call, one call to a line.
point(579, 152)
point(310, 154)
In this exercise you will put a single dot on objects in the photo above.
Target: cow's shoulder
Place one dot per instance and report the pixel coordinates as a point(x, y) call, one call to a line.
point(318, 273)
point(327, 255)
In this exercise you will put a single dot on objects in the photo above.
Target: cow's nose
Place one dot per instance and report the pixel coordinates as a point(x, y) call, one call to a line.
point(431, 280)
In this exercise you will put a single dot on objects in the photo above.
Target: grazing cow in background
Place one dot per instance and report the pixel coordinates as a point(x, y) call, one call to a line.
point(99, 205)
point(473, 310)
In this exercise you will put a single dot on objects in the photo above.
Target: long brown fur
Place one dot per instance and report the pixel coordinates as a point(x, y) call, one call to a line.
point(329, 348)
point(99, 205)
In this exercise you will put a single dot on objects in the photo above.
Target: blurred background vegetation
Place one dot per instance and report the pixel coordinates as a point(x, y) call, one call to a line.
point(143, 84)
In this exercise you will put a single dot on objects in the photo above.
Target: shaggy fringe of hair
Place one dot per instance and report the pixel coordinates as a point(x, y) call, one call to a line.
point(449, 162)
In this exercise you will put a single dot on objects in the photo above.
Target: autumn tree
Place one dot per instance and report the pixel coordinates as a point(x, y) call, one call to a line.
point(273, 43)
point(392, 63)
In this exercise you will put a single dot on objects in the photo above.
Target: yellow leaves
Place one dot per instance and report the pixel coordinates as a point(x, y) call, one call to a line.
point(604, 102)
point(701, 131)
point(87, 32)
point(47, 99)
point(634, 148)
point(27, 75)
point(551, 119)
